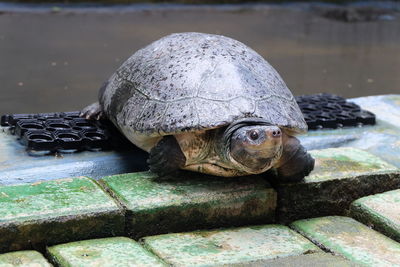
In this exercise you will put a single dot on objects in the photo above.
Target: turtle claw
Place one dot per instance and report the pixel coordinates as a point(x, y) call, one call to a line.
point(297, 162)
point(92, 112)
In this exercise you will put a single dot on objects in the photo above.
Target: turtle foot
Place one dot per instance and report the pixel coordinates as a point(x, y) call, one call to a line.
point(92, 112)
point(299, 167)
point(296, 163)
point(166, 157)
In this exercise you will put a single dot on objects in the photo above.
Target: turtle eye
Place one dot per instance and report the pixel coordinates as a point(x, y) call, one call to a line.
point(253, 135)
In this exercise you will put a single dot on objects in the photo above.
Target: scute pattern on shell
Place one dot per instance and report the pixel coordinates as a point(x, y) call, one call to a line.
point(193, 81)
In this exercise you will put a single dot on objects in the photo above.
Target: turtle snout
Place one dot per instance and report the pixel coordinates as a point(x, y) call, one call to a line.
point(273, 132)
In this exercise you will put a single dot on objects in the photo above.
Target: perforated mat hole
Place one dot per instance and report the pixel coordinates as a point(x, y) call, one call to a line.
point(95, 136)
point(68, 136)
point(59, 126)
point(40, 137)
point(32, 126)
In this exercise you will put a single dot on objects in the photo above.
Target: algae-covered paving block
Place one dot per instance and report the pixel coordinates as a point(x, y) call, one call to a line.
point(56, 211)
point(27, 258)
point(112, 252)
point(340, 176)
point(244, 245)
point(351, 239)
point(191, 201)
point(381, 211)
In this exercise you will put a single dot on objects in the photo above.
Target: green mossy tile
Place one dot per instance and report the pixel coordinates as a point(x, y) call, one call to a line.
point(112, 252)
point(351, 239)
point(341, 175)
point(380, 211)
point(345, 162)
point(51, 212)
point(191, 202)
point(26, 258)
point(237, 246)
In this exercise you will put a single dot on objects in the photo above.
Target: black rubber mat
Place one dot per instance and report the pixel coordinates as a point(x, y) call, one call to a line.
point(331, 111)
point(66, 131)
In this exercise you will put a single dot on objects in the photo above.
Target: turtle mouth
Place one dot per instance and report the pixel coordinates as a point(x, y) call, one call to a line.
point(258, 164)
point(215, 169)
point(226, 169)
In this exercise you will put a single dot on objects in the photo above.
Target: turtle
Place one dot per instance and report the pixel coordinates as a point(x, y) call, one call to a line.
point(206, 103)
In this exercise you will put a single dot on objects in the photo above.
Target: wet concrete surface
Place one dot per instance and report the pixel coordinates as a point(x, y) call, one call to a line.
point(55, 59)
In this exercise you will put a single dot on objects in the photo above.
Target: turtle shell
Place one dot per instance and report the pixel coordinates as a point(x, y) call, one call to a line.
point(196, 81)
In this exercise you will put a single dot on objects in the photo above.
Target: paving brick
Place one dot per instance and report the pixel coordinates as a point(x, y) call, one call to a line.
point(230, 246)
point(305, 260)
point(57, 211)
point(190, 202)
point(341, 175)
point(27, 258)
point(113, 252)
point(380, 211)
point(351, 239)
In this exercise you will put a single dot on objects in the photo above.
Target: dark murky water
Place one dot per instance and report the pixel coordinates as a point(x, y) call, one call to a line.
point(55, 61)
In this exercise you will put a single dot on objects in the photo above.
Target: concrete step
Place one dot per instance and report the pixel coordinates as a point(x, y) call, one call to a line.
point(265, 245)
point(351, 239)
point(380, 211)
point(141, 204)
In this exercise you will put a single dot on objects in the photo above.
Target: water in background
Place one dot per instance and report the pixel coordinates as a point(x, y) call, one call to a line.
point(55, 59)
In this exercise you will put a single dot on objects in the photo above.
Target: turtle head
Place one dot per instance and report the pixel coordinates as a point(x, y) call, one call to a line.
point(255, 148)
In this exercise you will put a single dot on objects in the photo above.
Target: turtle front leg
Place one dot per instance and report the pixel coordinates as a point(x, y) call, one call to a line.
point(92, 112)
point(166, 157)
point(295, 162)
